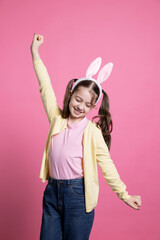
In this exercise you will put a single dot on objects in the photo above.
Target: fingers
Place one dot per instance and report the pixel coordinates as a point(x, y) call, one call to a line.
point(38, 37)
point(139, 201)
point(136, 205)
point(135, 202)
point(35, 35)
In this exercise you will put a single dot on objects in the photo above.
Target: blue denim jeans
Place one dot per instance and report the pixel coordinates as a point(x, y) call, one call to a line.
point(64, 215)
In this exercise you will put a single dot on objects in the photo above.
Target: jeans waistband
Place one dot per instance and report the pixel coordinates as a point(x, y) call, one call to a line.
point(66, 181)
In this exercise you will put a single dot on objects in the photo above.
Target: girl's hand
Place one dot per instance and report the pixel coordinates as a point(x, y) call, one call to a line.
point(134, 202)
point(37, 42)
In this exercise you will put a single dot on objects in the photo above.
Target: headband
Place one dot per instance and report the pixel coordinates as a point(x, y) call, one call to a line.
point(102, 75)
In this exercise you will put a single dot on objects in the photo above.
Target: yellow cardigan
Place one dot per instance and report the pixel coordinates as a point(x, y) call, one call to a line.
point(95, 149)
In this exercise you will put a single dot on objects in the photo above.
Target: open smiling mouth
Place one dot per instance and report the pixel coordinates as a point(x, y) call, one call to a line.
point(77, 111)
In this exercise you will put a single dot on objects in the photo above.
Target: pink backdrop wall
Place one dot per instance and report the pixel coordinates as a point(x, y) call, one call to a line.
point(75, 33)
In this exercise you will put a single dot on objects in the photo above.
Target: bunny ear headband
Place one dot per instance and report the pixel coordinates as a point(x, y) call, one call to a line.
point(102, 75)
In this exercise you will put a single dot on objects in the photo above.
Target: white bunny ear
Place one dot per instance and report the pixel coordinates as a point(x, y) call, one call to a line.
point(105, 72)
point(94, 67)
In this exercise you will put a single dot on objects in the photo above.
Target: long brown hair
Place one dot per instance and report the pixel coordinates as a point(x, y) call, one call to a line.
point(105, 121)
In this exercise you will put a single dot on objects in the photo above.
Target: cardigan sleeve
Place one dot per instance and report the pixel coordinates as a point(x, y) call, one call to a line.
point(108, 168)
point(47, 94)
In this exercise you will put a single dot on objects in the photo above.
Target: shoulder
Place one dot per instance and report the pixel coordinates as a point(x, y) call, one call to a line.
point(94, 126)
point(97, 135)
point(96, 131)
point(57, 119)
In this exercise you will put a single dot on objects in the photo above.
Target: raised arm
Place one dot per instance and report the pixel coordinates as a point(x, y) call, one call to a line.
point(47, 94)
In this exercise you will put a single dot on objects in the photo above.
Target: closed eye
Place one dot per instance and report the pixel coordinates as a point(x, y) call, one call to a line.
point(78, 100)
point(88, 105)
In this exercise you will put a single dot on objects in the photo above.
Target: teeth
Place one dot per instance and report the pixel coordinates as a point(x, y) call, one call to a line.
point(77, 110)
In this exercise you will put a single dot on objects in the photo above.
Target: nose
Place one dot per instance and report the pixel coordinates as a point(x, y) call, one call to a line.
point(80, 107)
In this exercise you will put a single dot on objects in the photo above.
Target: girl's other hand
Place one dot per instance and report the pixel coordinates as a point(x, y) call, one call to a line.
point(37, 42)
point(134, 202)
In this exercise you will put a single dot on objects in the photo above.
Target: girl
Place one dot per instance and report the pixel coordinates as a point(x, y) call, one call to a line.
point(73, 148)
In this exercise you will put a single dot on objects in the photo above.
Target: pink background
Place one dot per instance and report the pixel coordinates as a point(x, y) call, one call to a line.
point(76, 32)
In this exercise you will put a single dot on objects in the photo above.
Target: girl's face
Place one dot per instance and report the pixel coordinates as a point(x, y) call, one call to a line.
point(80, 103)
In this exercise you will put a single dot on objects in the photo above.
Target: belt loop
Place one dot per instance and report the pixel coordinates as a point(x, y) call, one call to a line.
point(50, 180)
point(68, 182)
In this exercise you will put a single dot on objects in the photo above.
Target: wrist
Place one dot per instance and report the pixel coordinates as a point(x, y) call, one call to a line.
point(35, 53)
point(34, 49)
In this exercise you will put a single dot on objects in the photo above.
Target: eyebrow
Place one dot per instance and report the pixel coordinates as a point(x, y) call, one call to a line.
point(82, 99)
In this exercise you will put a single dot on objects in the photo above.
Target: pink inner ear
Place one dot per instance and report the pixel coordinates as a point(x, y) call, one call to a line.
point(105, 72)
point(93, 67)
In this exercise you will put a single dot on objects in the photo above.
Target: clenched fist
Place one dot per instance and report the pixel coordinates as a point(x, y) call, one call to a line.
point(37, 42)
point(134, 202)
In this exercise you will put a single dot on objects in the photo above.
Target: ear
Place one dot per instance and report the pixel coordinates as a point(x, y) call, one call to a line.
point(94, 67)
point(105, 72)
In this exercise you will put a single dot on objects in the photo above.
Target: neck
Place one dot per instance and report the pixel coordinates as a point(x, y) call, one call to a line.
point(74, 120)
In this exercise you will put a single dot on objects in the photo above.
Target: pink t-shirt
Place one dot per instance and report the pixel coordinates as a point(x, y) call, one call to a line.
point(66, 153)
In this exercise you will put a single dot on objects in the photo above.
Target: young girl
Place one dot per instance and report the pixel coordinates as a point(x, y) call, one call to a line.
point(73, 148)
